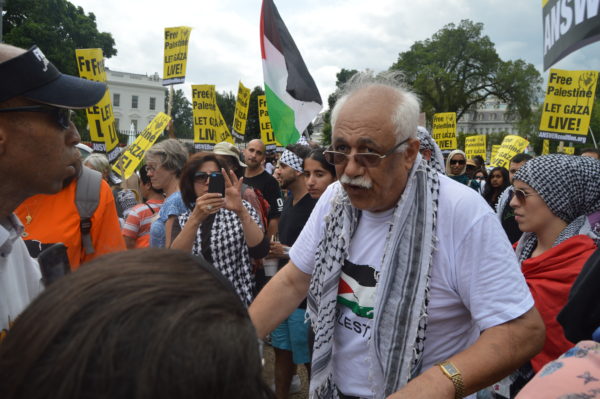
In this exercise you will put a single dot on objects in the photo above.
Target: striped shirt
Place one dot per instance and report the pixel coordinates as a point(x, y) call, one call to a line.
point(139, 220)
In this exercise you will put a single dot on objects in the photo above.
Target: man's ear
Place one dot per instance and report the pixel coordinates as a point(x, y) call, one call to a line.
point(410, 154)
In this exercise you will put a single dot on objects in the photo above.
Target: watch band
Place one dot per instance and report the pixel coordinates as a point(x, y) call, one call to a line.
point(455, 376)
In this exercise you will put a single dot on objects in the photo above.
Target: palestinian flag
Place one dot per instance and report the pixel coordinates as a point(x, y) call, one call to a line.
point(357, 289)
point(293, 99)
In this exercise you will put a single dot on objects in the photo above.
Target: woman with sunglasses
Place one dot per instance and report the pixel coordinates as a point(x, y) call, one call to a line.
point(495, 185)
point(225, 230)
point(553, 195)
point(318, 172)
point(456, 169)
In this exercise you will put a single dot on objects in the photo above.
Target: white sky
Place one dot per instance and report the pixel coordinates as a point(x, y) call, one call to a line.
point(331, 34)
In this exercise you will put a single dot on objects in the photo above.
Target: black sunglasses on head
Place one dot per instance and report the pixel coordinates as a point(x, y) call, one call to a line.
point(202, 177)
point(62, 115)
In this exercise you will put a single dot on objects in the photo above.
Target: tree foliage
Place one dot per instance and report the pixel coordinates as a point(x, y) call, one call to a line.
point(181, 114)
point(57, 27)
point(253, 123)
point(341, 77)
point(459, 67)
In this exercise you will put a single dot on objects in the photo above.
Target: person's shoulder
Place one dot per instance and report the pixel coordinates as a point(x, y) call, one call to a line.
point(459, 200)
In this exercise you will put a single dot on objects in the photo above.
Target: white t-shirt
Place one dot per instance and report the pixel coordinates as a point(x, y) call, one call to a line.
point(476, 282)
point(20, 277)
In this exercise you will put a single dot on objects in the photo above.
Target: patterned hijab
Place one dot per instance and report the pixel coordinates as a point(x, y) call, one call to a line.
point(453, 153)
point(428, 143)
point(570, 187)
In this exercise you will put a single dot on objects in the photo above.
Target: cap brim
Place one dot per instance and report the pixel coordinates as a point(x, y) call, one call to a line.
point(68, 92)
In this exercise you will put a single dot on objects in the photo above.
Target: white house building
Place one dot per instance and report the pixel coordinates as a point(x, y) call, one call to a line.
point(136, 99)
point(490, 116)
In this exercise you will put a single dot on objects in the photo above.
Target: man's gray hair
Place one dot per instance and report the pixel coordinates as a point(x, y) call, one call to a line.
point(171, 154)
point(406, 115)
point(98, 162)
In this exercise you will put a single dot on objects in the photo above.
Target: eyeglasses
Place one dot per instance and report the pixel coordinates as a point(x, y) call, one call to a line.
point(521, 195)
point(457, 161)
point(202, 177)
point(152, 168)
point(367, 159)
point(62, 115)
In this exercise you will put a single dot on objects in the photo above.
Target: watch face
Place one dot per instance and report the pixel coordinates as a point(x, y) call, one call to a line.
point(450, 368)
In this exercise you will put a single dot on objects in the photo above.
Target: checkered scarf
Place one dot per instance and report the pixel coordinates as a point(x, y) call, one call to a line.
point(428, 143)
point(569, 185)
point(229, 249)
point(400, 315)
point(292, 160)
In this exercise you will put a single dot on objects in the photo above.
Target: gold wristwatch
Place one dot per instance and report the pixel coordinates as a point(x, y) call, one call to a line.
point(454, 374)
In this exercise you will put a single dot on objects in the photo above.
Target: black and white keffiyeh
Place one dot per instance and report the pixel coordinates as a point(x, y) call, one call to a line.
point(400, 315)
point(292, 160)
point(428, 143)
point(570, 187)
point(229, 249)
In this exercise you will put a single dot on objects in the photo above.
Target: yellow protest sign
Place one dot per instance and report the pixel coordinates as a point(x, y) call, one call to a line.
point(511, 146)
point(546, 147)
point(495, 149)
point(568, 105)
point(241, 112)
point(444, 130)
point(266, 130)
point(206, 121)
point(569, 150)
point(101, 119)
point(130, 159)
point(175, 55)
point(222, 129)
point(475, 145)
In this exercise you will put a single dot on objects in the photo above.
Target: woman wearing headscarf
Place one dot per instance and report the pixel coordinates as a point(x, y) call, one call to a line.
point(456, 169)
point(553, 196)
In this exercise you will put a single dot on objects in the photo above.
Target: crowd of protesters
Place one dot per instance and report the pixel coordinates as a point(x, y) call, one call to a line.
point(383, 267)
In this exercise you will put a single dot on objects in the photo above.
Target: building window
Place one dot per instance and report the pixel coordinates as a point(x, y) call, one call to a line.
point(152, 103)
point(116, 99)
point(117, 123)
point(134, 101)
point(134, 125)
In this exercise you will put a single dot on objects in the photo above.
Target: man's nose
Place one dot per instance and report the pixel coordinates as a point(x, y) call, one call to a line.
point(72, 136)
point(352, 167)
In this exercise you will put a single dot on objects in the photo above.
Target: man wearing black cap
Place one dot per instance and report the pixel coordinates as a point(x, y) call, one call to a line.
point(37, 153)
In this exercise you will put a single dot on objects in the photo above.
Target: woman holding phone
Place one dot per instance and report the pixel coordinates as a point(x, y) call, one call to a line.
point(219, 225)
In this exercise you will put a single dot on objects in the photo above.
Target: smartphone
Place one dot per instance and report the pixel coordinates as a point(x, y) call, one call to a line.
point(216, 183)
point(54, 263)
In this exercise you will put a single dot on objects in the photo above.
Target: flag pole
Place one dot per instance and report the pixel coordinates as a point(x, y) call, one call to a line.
point(593, 138)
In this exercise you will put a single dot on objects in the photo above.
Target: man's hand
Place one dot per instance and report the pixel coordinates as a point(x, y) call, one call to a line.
point(498, 351)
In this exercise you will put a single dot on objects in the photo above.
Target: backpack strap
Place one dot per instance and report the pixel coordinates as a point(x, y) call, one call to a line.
point(87, 198)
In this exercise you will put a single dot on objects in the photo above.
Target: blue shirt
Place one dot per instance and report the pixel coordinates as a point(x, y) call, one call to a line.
point(173, 206)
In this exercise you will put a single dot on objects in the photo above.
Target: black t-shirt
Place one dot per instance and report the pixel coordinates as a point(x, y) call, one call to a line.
point(269, 188)
point(293, 218)
point(292, 221)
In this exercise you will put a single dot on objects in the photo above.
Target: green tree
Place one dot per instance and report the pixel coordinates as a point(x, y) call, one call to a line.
point(57, 27)
point(226, 103)
point(458, 68)
point(341, 77)
point(253, 124)
point(181, 114)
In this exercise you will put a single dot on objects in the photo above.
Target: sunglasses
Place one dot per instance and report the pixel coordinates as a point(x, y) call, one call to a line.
point(202, 177)
point(62, 115)
point(366, 159)
point(457, 161)
point(521, 195)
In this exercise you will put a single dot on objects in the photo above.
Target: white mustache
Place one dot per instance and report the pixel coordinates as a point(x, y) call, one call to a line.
point(360, 181)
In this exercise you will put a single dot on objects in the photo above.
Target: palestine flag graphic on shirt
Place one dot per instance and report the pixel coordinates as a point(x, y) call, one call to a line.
point(357, 289)
point(293, 99)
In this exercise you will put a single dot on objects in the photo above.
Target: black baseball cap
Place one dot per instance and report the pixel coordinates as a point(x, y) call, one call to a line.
point(32, 75)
